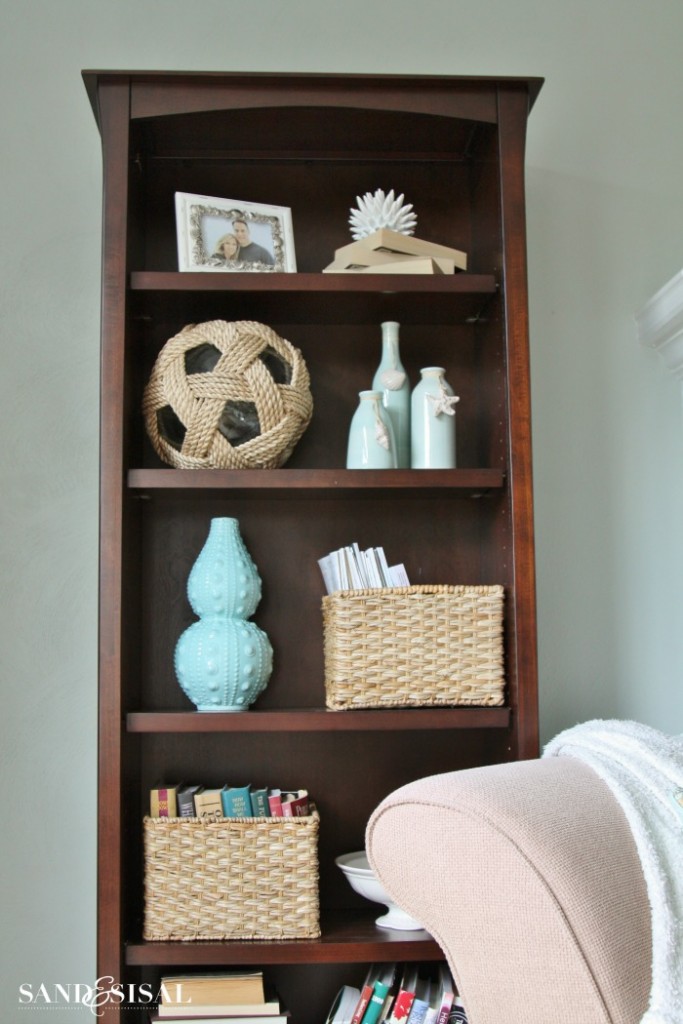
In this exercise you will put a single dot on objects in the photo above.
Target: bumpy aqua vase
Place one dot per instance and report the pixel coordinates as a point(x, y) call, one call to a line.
point(223, 661)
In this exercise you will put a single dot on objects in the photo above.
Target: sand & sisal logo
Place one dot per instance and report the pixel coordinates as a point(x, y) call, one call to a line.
point(104, 994)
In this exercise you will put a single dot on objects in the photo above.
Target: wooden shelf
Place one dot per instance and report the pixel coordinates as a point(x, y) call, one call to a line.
point(321, 284)
point(347, 937)
point(309, 482)
point(318, 720)
point(315, 298)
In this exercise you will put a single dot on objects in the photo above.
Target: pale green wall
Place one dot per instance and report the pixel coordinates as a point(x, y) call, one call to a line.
point(605, 212)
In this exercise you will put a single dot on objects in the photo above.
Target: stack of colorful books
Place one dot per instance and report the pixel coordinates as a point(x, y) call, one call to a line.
point(193, 801)
point(389, 252)
point(394, 995)
point(226, 998)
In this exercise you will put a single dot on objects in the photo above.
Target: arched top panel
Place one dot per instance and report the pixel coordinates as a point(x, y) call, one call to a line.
point(340, 132)
point(155, 94)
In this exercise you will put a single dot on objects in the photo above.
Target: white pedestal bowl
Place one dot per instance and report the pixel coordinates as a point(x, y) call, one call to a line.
point(361, 878)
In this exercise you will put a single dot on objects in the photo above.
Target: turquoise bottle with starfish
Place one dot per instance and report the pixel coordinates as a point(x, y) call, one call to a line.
point(432, 421)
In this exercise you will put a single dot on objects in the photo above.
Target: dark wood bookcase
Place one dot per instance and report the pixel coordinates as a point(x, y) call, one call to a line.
point(455, 148)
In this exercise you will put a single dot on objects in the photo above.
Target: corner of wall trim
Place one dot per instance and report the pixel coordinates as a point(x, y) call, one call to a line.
point(660, 324)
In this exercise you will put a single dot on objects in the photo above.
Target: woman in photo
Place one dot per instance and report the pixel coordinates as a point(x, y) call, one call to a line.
point(227, 250)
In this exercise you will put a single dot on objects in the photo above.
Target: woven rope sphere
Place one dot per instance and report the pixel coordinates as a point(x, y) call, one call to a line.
point(227, 396)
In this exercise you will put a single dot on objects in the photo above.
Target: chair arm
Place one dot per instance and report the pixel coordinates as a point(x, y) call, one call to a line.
point(528, 877)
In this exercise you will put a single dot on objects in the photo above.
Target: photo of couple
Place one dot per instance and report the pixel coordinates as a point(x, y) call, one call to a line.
point(233, 235)
point(238, 246)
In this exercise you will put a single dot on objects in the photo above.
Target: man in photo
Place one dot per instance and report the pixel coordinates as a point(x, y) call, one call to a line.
point(250, 252)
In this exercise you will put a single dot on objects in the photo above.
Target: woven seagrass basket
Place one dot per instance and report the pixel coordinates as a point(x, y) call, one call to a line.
point(235, 878)
point(414, 646)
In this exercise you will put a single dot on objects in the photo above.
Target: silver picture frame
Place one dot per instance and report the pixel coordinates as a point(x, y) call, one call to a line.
point(232, 235)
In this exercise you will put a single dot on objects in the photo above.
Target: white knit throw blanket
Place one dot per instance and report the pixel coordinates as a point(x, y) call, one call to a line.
point(644, 770)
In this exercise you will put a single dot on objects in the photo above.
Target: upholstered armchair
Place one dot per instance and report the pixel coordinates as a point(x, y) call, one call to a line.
point(528, 876)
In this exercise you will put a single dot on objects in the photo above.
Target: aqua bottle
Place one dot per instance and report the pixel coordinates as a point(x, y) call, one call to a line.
point(392, 380)
point(223, 661)
point(371, 443)
point(433, 421)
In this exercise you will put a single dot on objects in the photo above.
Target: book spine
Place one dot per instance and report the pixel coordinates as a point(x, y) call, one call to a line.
point(419, 1011)
point(236, 801)
point(403, 1004)
point(386, 1009)
point(376, 1003)
point(198, 792)
point(185, 801)
point(275, 803)
point(209, 804)
point(365, 995)
point(457, 1014)
point(444, 1010)
point(163, 802)
point(296, 806)
point(447, 1000)
point(259, 803)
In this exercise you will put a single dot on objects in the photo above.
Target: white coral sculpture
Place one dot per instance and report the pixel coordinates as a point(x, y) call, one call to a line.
point(377, 210)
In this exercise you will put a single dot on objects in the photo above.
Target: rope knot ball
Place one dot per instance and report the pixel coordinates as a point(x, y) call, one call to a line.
point(227, 396)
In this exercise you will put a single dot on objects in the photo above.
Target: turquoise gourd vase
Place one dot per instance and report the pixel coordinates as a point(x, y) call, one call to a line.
point(371, 442)
point(223, 661)
point(392, 380)
point(433, 421)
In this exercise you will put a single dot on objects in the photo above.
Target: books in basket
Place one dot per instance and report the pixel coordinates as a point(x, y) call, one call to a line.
point(163, 800)
point(208, 804)
point(236, 802)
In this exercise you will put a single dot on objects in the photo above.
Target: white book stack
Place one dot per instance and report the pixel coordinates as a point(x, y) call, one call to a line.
point(349, 568)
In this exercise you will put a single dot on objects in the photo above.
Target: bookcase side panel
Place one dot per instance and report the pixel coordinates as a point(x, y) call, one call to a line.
point(114, 110)
point(513, 106)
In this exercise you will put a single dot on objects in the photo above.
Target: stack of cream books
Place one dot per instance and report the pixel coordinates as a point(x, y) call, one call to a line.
point(234, 997)
point(389, 252)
